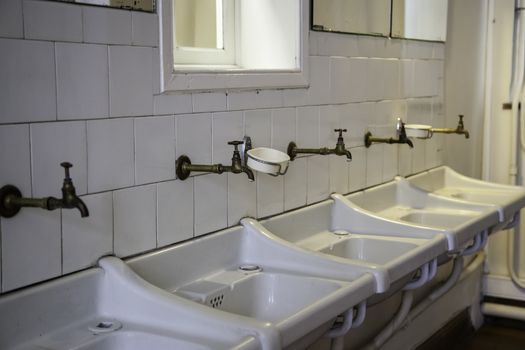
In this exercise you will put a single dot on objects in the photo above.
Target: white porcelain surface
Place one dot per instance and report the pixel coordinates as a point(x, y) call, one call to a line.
point(390, 162)
point(194, 137)
point(268, 160)
point(110, 154)
point(357, 169)
point(211, 203)
point(45, 20)
point(134, 220)
point(339, 173)
point(85, 240)
point(144, 29)
point(11, 23)
point(52, 144)
point(374, 164)
point(140, 315)
point(390, 251)
point(29, 67)
point(82, 81)
point(28, 257)
point(18, 173)
point(398, 201)
point(106, 26)
point(444, 181)
point(130, 81)
point(174, 216)
point(268, 295)
point(154, 149)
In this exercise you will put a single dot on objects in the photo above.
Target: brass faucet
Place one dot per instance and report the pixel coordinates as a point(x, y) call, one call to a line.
point(11, 200)
point(460, 129)
point(401, 136)
point(184, 166)
point(339, 149)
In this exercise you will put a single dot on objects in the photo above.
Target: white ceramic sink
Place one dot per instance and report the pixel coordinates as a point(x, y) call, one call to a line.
point(110, 308)
point(342, 234)
point(459, 221)
point(246, 276)
point(446, 182)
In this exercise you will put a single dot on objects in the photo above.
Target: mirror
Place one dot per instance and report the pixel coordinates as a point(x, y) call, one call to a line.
point(139, 5)
point(352, 16)
point(419, 19)
point(409, 19)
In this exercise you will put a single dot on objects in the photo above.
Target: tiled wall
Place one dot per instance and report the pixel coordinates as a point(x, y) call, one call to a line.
point(80, 84)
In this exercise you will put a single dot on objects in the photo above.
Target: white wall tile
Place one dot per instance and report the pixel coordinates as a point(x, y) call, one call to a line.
point(209, 102)
point(130, 81)
point(46, 20)
point(258, 125)
point(255, 99)
point(295, 184)
point(319, 89)
point(52, 144)
point(226, 126)
point(242, 198)
point(110, 154)
point(338, 173)
point(307, 127)
point(172, 104)
point(82, 81)
point(360, 86)
point(154, 149)
point(29, 68)
point(156, 74)
point(145, 29)
point(85, 240)
point(194, 137)
point(318, 175)
point(390, 162)
point(406, 77)
point(174, 211)
point(341, 78)
point(405, 160)
point(11, 20)
point(283, 128)
point(357, 169)
point(374, 164)
point(334, 44)
point(355, 117)
point(30, 248)
point(106, 26)
point(270, 195)
point(14, 154)
point(419, 152)
point(211, 203)
point(328, 122)
point(134, 220)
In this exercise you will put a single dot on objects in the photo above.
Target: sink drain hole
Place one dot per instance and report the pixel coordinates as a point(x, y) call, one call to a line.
point(250, 268)
point(104, 326)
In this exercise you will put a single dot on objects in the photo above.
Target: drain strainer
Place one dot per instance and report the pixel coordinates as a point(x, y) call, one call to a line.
point(104, 326)
point(341, 233)
point(250, 268)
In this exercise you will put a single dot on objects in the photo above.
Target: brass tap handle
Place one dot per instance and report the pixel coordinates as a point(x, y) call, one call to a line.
point(235, 144)
point(340, 131)
point(460, 123)
point(66, 166)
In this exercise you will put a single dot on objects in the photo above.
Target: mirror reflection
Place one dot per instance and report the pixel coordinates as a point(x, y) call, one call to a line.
point(420, 19)
point(352, 16)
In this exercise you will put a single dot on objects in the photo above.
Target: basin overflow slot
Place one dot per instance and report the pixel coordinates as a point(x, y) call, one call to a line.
point(341, 232)
point(250, 268)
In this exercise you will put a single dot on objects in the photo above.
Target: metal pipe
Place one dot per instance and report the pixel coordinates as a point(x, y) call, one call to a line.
point(504, 311)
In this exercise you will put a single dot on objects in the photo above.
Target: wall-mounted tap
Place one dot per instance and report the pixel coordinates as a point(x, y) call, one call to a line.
point(401, 136)
point(11, 200)
point(339, 149)
point(184, 166)
point(460, 129)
